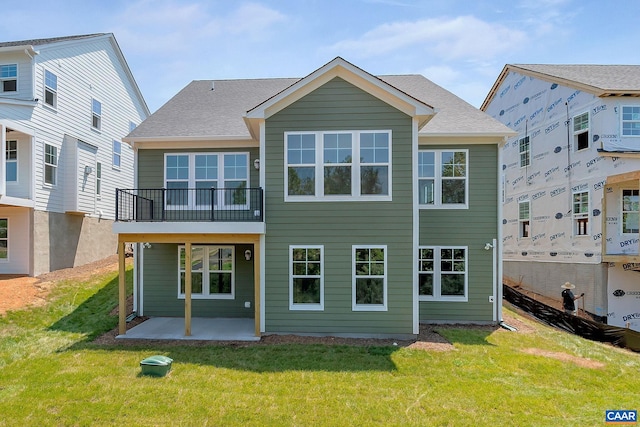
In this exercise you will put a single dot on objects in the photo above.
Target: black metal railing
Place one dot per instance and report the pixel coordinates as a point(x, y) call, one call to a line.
point(190, 204)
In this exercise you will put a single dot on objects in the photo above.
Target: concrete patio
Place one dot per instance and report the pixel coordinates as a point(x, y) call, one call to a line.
point(208, 329)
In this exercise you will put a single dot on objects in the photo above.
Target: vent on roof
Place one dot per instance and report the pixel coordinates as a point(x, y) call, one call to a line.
point(213, 85)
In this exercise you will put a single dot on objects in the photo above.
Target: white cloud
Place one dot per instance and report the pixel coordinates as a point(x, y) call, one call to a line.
point(464, 37)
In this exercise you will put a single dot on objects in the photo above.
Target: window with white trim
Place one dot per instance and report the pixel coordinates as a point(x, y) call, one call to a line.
point(369, 285)
point(96, 114)
point(11, 157)
point(630, 211)
point(442, 178)
point(525, 151)
point(50, 164)
point(580, 213)
point(9, 77)
point(202, 172)
point(306, 277)
point(4, 239)
point(524, 219)
point(581, 131)
point(98, 178)
point(338, 165)
point(50, 89)
point(630, 120)
point(116, 147)
point(212, 272)
point(442, 273)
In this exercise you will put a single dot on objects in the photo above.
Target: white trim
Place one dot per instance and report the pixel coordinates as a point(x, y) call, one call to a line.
point(574, 133)
point(7, 161)
point(206, 285)
point(99, 116)
point(17, 79)
point(310, 306)
point(53, 107)
point(575, 216)
point(45, 164)
point(521, 220)
point(113, 154)
point(138, 278)
point(622, 121)
point(368, 307)
point(438, 178)
point(416, 225)
point(8, 258)
point(263, 293)
point(437, 274)
point(186, 227)
point(622, 211)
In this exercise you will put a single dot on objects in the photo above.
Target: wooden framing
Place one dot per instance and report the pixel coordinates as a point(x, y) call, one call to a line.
point(187, 240)
point(617, 180)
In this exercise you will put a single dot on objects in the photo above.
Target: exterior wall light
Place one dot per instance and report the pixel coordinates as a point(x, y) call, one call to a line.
point(256, 164)
point(247, 254)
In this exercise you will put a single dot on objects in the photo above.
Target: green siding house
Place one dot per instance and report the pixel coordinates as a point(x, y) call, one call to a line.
point(340, 204)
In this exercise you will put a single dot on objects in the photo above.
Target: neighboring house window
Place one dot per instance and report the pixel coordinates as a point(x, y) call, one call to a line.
point(98, 178)
point(630, 211)
point(525, 151)
point(581, 131)
point(369, 285)
point(9, 77)
point(12, 161)
point(50, 164)
point(203, 171)
point(50, 89)
point(524, 218)
point(442, 178)
point(117, 154)
point(96, 114)
point(306, 278)
point(212, 272)
point(4, 239)
point(340, 165)
point(581, 213)
point(442, 273)
point(631, 121)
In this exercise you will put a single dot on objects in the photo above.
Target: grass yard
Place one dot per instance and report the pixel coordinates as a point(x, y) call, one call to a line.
point(52, 374)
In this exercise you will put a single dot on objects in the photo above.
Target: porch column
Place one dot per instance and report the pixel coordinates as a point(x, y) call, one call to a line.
point(122, 294)
point(256, 286)
point(187, 289)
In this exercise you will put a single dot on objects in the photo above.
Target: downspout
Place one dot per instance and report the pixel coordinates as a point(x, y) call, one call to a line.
point(497, 243)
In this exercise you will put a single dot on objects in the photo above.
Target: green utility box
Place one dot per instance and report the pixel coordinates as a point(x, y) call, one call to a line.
point(156, 366)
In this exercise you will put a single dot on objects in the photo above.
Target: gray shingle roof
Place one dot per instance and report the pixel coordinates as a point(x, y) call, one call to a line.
point(198, 111)
point(606, 78)
point(38, 42)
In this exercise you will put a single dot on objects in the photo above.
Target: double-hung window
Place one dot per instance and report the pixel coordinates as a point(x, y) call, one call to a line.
point(306, 278)
point(117, 154)
point(630, 211)
point(369, 286)
point(9, 77)
point(581, 131)
point(191, 178)
point(50, 89)
point(443, 179)
point(630, 120)
point(50, 164)
point(98, 179)
point(524, 219)
point(525, 151)
point(212, 272)
point(96, 114)
point(4, 239)
point(442, 273)
point(338, 165)
point(581, 213)
point(11, 157)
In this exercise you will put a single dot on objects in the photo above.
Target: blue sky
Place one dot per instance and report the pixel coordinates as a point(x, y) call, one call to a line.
point(461, 45)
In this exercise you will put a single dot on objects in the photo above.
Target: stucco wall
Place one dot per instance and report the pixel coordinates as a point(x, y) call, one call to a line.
point(63, 240)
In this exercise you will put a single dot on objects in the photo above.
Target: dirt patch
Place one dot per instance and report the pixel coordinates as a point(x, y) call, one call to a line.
point(564, 357)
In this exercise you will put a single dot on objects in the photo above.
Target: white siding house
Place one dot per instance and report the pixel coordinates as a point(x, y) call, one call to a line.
point(65, 104)
point(571, 181)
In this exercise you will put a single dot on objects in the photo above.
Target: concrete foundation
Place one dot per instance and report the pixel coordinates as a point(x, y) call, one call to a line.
point(65, 240)
point(545, 278)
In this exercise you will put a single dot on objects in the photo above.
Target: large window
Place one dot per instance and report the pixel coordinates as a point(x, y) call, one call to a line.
point(50, 164)
point(9, 77)
point(369, 286)
point(442, 273)
point(525, 151)
point(117, 154)
point(212, 272)
point(343, 165)
point(50, 89)
point(581, 131)
point(581, 213)
point(524, 219)
point(306, 278)
point(203, 171)
point(11, 157)
point(442, 178)
point(630, 211)
point(4, 239)
point(631, 121)
point(96, 114)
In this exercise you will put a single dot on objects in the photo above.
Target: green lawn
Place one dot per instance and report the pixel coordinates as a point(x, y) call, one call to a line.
point(51, 374)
